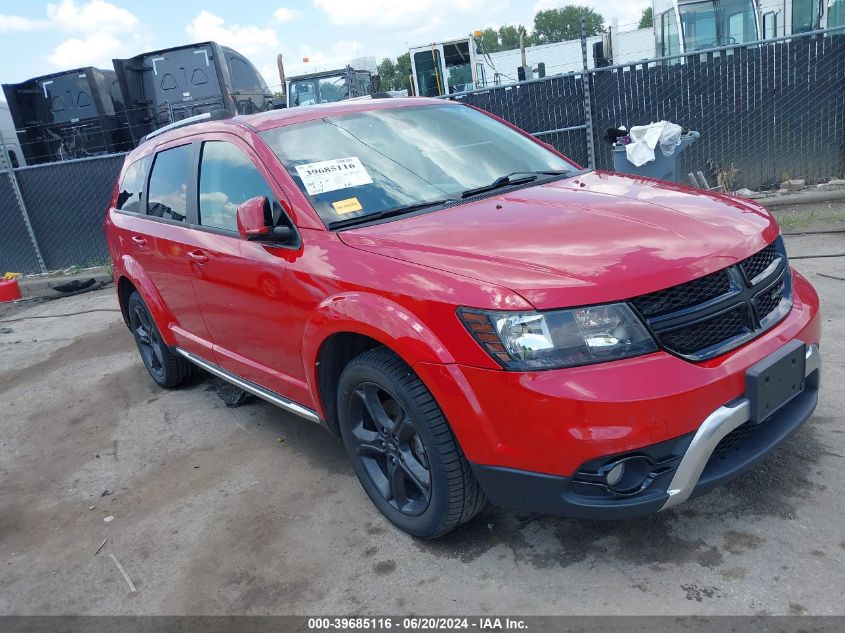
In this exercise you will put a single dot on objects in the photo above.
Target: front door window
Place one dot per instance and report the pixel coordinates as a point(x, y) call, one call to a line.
point(227, 178)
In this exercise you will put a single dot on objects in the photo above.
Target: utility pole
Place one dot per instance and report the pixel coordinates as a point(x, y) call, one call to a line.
point(522, 45)
point(281, 66)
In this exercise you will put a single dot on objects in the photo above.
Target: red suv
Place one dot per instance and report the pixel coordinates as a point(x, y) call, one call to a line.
point(475, 315)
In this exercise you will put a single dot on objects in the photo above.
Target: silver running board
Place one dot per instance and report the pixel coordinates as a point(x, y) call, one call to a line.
point(251, 387)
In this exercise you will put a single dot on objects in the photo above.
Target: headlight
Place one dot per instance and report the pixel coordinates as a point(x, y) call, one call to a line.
point(561, 338)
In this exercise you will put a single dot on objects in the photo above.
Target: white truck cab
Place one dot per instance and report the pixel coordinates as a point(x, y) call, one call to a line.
point(446, 67)
point(686, 26)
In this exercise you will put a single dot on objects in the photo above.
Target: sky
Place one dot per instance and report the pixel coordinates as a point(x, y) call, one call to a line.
point(38, 37)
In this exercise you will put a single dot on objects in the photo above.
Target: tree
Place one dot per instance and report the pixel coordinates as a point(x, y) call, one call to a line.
point(490, 40)
point(403, 71)
point(505, 39)
point(560, 25)
point(509, 37)
point(387, 73)
point(394, 74)
point(647, 21)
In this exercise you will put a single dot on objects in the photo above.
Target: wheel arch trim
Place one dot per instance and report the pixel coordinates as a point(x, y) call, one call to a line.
point(133, 272)
point(374, 317)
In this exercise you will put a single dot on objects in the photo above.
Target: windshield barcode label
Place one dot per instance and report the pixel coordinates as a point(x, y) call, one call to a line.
point(331, 175)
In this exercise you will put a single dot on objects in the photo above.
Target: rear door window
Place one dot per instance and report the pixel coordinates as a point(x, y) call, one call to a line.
point(131, 185)
point(227, 178)
point(168, 194)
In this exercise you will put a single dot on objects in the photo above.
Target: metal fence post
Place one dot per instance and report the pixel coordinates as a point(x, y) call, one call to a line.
point(588, 102)
point(14, 179)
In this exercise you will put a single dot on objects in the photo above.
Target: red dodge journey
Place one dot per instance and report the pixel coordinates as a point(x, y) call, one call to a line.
point(475, 315)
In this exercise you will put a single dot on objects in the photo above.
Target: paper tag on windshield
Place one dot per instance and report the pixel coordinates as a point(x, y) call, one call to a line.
point(331, 175)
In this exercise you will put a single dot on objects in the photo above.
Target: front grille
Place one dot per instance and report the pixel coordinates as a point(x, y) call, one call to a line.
point(679, 297)
point(770, 298)
point(713, 314)
point(722, 327)
point(759, 262)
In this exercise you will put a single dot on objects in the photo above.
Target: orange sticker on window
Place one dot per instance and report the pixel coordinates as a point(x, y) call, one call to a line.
point(350, 205)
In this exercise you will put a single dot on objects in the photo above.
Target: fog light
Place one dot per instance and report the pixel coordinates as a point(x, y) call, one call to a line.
point(615, 474)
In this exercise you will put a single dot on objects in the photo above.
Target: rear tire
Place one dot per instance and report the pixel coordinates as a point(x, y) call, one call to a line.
point(402, 448)
point(167, 368)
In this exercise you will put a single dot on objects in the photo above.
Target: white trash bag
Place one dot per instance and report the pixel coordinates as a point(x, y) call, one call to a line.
point(645, 138)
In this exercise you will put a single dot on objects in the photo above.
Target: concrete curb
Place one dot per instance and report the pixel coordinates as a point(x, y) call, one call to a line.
point(806, 197)
point(33, 286)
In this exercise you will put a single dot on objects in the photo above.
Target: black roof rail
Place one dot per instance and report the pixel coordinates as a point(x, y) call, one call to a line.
point(215, 115)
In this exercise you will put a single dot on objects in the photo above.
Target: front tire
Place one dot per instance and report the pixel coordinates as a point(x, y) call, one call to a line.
point(167, 368)
point(402, 448)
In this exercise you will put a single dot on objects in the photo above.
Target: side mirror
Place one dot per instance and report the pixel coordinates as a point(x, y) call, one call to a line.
point(255, 222)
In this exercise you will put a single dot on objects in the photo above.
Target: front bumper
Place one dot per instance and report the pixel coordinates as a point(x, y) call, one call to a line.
point(726, 444)
point(555, 421)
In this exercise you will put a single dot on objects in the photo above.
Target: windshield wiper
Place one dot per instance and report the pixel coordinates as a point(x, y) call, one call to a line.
point(508, 179)
point(387, 213)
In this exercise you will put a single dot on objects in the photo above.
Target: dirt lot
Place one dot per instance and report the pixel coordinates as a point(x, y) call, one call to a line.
point(250, 510)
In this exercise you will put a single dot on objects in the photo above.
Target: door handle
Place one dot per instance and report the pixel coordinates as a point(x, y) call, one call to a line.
point(198, 256)
point(139, 241)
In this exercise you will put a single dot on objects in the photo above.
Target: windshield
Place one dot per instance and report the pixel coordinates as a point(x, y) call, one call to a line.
point(365, 163)
point(333, 89)
point(303, 92)
point(805, 15)
point(323, 90)
point(698, 21)
point(712, 23)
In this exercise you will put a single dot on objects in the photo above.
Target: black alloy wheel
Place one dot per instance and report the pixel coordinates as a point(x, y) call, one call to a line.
point(390, 449)
point(148, 340)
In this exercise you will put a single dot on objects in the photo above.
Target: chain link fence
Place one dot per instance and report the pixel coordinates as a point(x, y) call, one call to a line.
point(765, 113)
point(64, 205)
point(551, 109)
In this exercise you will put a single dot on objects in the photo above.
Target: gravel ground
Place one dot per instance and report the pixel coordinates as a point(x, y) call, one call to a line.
point(251, 511)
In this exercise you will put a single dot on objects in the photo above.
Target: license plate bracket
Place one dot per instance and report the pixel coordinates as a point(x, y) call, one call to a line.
point(775, 380)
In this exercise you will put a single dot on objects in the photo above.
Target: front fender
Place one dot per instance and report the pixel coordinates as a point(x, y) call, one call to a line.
point(132, 270)
point(373, 316)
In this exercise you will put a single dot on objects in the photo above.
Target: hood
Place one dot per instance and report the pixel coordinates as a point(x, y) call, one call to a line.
point(594, 238)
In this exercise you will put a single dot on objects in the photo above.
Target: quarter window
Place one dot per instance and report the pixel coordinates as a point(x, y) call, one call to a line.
point(227, 178)
point(129, 192)
point(168, 195)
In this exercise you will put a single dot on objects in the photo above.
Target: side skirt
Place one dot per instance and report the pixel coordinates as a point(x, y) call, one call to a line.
point(251, 387)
